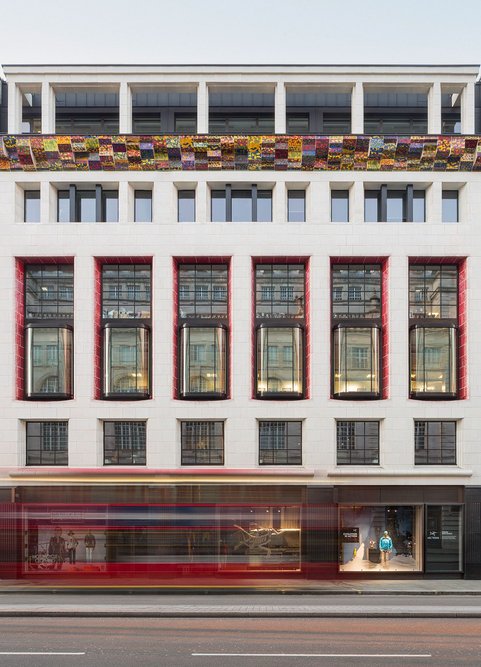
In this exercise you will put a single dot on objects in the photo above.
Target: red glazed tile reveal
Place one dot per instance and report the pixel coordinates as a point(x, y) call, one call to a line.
point(175, 319)
point(302, 259)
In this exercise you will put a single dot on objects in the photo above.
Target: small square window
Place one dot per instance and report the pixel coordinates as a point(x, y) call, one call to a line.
point(357, 442)
point(280, 443)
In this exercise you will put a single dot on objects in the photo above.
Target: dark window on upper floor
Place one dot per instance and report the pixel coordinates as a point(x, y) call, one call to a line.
point(47, 443)
point(233, 110)
point(202, 443)
point(395, 112)
point(31, 210)
point(339, 205)
point(95, 205)
point(296, 205)
point(280, 443)
point(143, 206)
point(357, 442)
point(387, 205)
point(450, 211)
point(86, 111)
point(451, 113)
point(317, 111)
point(124, 443)
point(435, 442)
point(31, 112)
point(164, 111)
point(246, 205)
point(186, 205)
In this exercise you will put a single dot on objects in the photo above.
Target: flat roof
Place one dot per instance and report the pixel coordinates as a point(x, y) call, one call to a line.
point(240, 65)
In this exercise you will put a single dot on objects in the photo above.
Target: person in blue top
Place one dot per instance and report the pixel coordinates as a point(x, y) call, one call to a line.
point(385, 547)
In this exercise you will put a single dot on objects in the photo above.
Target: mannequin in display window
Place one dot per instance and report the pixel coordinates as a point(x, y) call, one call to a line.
point(89, 541)
point(56, 549)
point(71, 544)
point(385, 547)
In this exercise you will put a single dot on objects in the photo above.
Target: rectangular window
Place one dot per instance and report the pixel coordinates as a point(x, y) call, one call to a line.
point(246, 205)
point(296, 206)
point(126, 291)
point(186, 206)
point(357, 442)
point(202, 443)
point(48, 291)
point(450, 211)
point(356, 291)
point(126, 327)
point(280, 291)
point(435, 442)
point(143, 206)
point(31, 206)
point(433, 291)
point(340, 206)
point(203, 291)
point(280, 443)
point(110, 206)
point(385, 205)
point(95, 205)
point(124, 443)
point(47, 443)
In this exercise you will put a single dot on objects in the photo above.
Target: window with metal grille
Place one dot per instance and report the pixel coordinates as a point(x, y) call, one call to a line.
point(357, 442)
point(47, 443)
point(124, 443)
point(280, 443)
point(435, 442)
point(202, 443)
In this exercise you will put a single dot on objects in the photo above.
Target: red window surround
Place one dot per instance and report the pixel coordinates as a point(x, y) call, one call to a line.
point(99, 261)
point(384, 262)
point(20, 263)
point(461, 263)
point(175, 304)
point(283, 260)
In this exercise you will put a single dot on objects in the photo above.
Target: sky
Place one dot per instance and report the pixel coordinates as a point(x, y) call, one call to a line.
point(240, 31)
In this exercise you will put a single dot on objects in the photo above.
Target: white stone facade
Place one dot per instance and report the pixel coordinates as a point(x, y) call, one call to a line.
point(319, 239)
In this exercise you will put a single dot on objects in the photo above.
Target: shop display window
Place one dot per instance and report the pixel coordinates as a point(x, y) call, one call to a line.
point(380, 538)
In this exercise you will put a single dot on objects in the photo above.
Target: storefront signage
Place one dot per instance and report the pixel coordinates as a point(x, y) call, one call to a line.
point(350, 535)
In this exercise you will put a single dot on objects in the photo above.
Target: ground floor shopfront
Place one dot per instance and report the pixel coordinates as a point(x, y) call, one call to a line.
point(234, 532)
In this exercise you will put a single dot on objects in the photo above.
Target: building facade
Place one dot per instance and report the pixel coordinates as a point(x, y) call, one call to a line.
point(241, 322)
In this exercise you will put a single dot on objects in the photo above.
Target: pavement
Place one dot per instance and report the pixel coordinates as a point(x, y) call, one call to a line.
point(395, 586)
point(420, 598)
